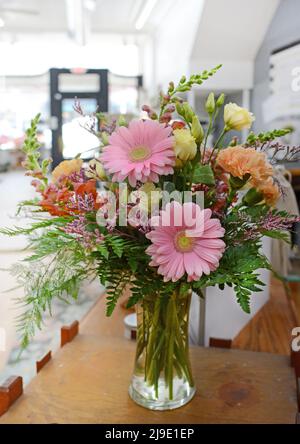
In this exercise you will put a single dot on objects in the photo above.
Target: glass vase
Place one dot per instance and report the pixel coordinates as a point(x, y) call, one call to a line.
point(162, 378)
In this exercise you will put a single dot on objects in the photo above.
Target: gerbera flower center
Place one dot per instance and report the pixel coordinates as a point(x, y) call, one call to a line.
point(183, 243)
point(139, 153)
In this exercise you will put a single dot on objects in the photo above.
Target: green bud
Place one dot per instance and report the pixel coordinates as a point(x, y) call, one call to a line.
point(183, 79)
point(220, 101)
point(197, 130)
point(234, 141)
point(188, 112)
point(184, 88)
point(179, 109)
point(46, 163)
point(176, 100)
point(210, 103)
point(171, 87)
point(122, 121)
point(104, 137)
point(252, 197)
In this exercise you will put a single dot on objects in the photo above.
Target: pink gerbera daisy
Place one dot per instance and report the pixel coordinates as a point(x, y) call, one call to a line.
point(143, 152)
point(183, 246)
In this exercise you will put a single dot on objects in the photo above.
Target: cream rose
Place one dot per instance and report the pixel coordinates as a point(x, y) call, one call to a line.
point(237, 118)
point(185, 144)
point(96, 170)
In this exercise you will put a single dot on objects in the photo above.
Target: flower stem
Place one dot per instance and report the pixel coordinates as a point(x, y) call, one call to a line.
point(218, 143)
point(162, 341)
point(207, 133)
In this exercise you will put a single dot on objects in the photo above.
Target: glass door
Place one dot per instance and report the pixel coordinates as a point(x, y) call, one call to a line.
point(69, 137)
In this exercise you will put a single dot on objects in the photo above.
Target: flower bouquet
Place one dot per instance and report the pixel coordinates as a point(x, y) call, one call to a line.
point(159, 212)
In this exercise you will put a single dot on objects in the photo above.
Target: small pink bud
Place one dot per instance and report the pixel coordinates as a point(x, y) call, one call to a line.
point(146, 108)
point(170, 109)
point(165, 118)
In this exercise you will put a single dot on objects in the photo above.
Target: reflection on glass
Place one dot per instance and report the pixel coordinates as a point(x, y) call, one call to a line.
point(77, 139)
point(123, 99)
point(123, 94)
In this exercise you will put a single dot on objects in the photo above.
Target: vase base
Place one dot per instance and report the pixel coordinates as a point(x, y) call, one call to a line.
point(156, 404)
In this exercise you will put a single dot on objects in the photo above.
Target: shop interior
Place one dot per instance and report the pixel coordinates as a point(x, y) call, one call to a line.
point(71, 59)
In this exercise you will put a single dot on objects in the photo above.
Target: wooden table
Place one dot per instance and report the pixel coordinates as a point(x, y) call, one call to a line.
point(87, 382)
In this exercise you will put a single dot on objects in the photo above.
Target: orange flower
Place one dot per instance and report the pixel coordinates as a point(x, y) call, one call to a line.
point(239, 161)
point(178, 125)
point(269, 190)
point(66, 168)
point(89, 187)
point(55, 200)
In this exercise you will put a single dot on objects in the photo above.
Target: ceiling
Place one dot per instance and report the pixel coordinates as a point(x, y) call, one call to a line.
point(51, 15)
point(232, 29)
point(185, 35)
point(222, 21)
point(44, 15)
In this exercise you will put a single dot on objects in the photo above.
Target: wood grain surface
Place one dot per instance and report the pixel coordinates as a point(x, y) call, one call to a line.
point(270, 329)
point(87, 382)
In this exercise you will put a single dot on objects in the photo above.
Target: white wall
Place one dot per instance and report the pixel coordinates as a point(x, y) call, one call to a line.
point(174, 39)
point(234, 75)
point(230, 32)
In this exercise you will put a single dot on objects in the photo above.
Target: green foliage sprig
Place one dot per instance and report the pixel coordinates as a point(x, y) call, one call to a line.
point(184, 85)
point(269, 136)
point(238, 269)
point(123, 263)
point(16, 231)
point(118, 260)
point(55, 270)
point(31, 148)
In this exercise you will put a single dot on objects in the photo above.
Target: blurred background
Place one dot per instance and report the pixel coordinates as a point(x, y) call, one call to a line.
point(116, 55)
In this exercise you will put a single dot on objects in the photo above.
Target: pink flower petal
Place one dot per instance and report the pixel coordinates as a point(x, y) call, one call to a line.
point(206, 250)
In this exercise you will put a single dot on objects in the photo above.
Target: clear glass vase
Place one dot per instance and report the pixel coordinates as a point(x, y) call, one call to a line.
point(162, 378)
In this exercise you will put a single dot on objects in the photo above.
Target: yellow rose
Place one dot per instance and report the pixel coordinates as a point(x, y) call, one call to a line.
point(178, 163)
point(96, 170)
point(66, 167)
point(237, 118)
point(185, 144)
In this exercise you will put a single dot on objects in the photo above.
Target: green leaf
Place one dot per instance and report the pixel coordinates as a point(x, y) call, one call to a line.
point(243, 298)
point(237, 269)
point(133, 263)
point(283, 235)
point(204, 174)
point(134, 299)
point(184, 287)
point(117, 245)
point(103, 250)
point(115, 289)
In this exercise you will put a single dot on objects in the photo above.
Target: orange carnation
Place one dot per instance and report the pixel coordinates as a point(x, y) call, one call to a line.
point(269, 190)
point(239, 161)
